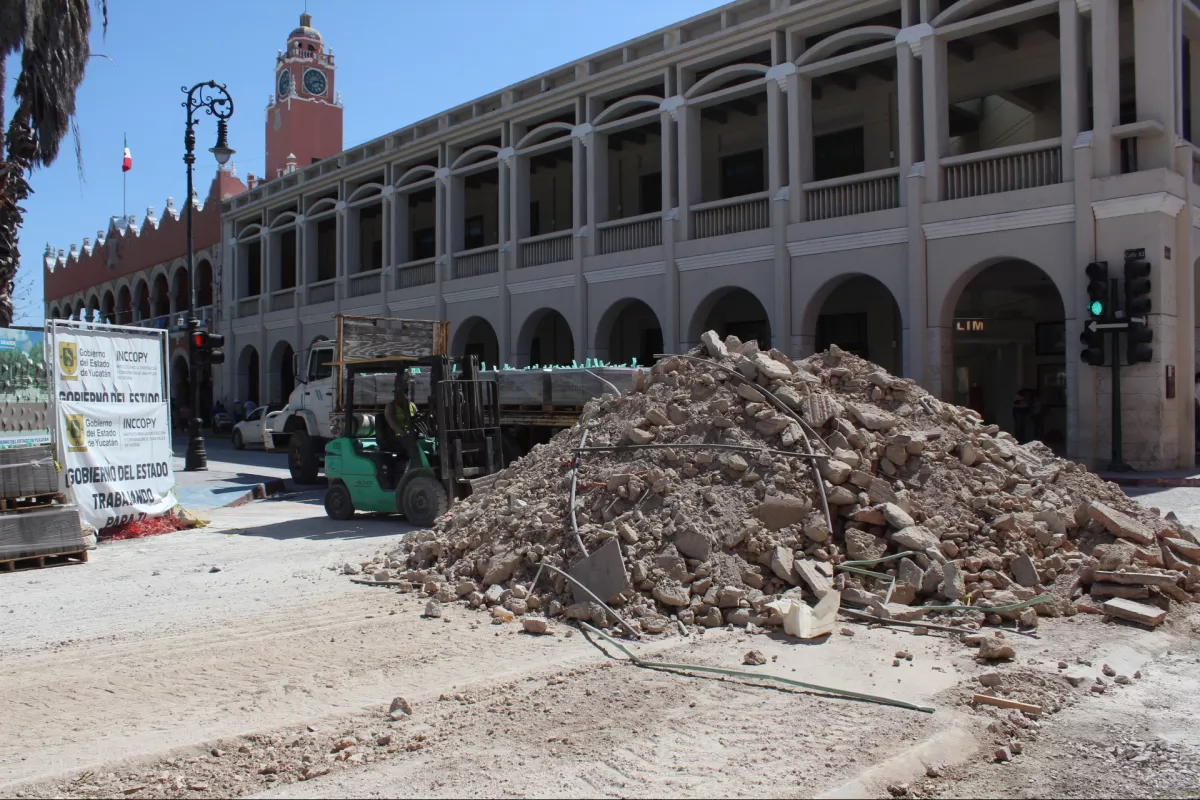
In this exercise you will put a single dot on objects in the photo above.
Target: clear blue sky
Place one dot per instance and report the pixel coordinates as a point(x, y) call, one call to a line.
point(398, 62)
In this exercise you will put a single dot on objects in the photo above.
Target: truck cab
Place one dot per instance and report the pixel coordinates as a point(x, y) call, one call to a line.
point(305, 426)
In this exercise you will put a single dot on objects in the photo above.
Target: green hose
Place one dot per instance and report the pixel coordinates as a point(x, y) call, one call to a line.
point(759, 676)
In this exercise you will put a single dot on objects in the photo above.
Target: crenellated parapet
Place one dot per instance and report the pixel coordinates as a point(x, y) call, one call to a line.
point(129, 245)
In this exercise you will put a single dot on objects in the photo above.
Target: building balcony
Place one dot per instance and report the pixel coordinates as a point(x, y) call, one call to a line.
point(479, 261)
point(548, 248)
point(283, 300)
point(363, 284)
point(248, 306)
point(630, 233)
point(421, 272)
point(852, 194)
point(1007, 169)
point(748, 212)
point(321, 292)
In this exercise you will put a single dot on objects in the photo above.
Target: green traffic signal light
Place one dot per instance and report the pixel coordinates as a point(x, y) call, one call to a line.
point(1096, 308)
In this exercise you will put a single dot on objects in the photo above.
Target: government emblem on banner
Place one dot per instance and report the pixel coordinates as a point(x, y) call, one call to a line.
point(68, 360)
point(76, 439)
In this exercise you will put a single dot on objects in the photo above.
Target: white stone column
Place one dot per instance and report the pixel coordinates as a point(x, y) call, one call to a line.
point(799, 110)
point(781, 324)
point(597, 184)
point(508, 191)
point(908, 116)
point(672, 334)
point(1155, 77)
point(1072, 81)
point(343, 256)
point(915, 330)
point(689, 167)
point(580, 192)
point(1185, 322)
point(1106, 98)
point(386, 275)
point(936, 112)
point(442, 237)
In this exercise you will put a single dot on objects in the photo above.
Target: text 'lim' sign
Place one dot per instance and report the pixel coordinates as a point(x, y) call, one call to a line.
point(969, 325)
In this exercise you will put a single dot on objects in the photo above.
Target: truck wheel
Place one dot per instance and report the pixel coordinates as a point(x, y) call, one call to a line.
point(238, 444)
point(338, 503)
point(302, 461)
point(423, 500)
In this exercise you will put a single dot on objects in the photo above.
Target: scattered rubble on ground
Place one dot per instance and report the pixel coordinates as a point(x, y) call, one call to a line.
point(715, 536)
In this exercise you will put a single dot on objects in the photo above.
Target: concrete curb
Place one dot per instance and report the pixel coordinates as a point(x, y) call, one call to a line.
point(1166, 483)
point(259, 491)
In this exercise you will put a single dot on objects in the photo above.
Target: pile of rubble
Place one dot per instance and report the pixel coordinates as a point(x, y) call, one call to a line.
point(733, 476)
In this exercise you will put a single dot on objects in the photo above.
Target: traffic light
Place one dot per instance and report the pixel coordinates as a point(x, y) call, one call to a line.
point(1097, 289)
point(1137, 309)
point(207, 347)
point(1137, 287)
point(1093, 347)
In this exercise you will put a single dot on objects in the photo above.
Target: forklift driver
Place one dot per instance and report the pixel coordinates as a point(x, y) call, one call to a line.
point(398, 433)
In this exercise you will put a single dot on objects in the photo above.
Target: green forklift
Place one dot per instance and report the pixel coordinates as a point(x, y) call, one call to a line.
point(458, 441)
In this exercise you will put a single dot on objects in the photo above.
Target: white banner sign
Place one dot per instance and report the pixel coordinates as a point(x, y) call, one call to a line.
point(113, 423)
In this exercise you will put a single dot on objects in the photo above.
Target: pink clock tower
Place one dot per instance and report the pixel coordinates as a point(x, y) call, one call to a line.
point(304, 119)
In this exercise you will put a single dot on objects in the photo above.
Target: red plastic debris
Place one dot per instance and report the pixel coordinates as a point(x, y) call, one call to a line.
point(168, 523)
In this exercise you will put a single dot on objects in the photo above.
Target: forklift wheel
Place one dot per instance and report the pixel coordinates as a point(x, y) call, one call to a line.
point(423, 500)
point(338, 504)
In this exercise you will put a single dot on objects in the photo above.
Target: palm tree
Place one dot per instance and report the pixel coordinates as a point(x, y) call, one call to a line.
point(52, 38)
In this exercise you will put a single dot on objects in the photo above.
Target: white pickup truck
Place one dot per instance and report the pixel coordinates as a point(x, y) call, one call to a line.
point(534, 403)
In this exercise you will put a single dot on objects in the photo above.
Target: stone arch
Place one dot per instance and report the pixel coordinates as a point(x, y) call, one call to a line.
point(860, 314)
point(180, 289)
point(124, 304)
point(417, 174)
point(476, 336)
point(160, 298)
point(628, 330)
point(624, 108)
point(108, 308)
point(732, 310)
point(248, 375)
point(281, 378)
point(476, 155)
point(545, 133)
point(546, 340)
point(1006, 322)
point(93, 308)
point(960, 11)
point(181, 382)
point(204, 283)
point(843, 39)
point(709, 83)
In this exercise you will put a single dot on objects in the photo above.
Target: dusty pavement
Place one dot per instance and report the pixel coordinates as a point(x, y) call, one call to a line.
point(122, 677)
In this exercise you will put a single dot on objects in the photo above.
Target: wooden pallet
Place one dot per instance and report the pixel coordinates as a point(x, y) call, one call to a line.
point(32, 503)
point(48, 560)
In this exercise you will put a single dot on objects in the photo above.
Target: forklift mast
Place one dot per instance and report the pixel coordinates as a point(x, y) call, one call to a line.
point(466, 415)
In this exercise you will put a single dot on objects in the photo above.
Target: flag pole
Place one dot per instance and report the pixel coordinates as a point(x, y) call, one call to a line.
point(124, 187)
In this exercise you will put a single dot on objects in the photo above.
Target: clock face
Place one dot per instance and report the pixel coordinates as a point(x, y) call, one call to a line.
point(285, 83)
point(314, 81)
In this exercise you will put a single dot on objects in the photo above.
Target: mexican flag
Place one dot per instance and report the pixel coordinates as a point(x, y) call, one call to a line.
point(127, 162)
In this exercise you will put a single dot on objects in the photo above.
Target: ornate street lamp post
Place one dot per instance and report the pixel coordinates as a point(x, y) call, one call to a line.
point(214, 99)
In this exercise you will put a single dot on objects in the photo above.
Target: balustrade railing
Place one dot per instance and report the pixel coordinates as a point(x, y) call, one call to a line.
point(1023, 166)
point(322, 292)
point(364, 283)
point(852, 194)
point(416, 273)
point(733, 215)
point(548, 248)
point(283, 299)
point(247, 306)
point(480, 261)
point(630, 233)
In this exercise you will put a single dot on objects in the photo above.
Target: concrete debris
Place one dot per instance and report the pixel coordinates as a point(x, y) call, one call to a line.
point(739, 534)
point(754, 658)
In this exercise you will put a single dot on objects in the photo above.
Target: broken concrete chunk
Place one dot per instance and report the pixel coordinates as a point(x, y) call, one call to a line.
point(813, 578)
point(993, 648)
point(500, 568)
point(953, 582)
point(713, 344)
point(656, 417)
point(1024, 571)
point(638, 435)
point(1134, 612)
point(916, 537)
point(669, 594)
point(783, 563)
point(750, 394)
point(862, 546)
point(834, 471)
point(872, 417)
point(779, 511)
point(896, 516)
point(1119, 524)
point(818, 409)
point(771, 369)
point(693, 544)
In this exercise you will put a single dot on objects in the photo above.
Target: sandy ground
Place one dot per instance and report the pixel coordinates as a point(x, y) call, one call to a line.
point(128, 673)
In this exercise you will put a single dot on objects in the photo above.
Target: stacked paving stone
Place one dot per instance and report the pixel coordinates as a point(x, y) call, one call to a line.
point(711, 536)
